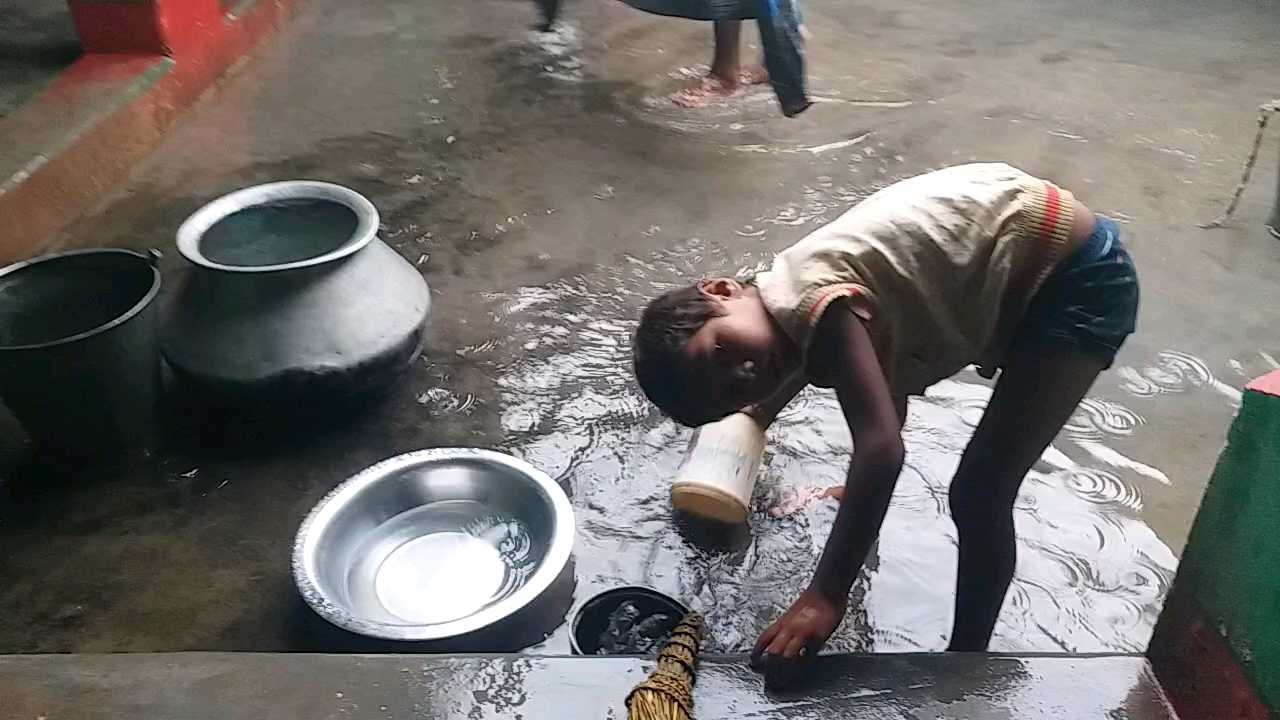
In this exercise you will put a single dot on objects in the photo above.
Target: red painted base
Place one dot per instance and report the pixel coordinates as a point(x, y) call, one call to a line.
point(69, 176)
point(1197, 669)
point(169, 27)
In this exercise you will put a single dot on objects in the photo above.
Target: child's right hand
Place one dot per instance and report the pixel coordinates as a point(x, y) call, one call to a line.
point(796, 636)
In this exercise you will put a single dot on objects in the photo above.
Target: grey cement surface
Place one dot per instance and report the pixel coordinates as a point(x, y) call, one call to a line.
point(193, 686)
point(37, 41)
point(507, 165)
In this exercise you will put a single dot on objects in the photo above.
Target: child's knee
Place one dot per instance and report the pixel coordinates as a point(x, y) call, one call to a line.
point(974, 506)
point(962, 501)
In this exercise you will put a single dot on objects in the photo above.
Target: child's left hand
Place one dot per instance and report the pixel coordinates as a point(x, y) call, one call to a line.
point(801, 632)
point(799, 498)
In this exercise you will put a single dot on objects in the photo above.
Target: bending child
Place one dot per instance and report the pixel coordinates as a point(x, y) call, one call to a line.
point(978, 263)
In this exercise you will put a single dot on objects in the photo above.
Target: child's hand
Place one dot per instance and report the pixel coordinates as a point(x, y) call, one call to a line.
point(797, 499)
point(801, 632)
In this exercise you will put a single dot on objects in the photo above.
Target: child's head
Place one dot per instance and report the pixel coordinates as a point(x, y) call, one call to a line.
point(708, 350)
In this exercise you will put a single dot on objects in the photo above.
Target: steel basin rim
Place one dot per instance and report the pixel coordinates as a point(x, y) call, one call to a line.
point(198, 223)
point(553, 561)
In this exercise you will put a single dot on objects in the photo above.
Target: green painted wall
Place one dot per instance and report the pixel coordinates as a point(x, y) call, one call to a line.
point(1231, 563)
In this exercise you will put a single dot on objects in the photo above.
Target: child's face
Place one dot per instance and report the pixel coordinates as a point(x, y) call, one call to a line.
point(741, 355)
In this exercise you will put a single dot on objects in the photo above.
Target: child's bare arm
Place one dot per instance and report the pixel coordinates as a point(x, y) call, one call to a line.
point(872, 415)
point(842, 351)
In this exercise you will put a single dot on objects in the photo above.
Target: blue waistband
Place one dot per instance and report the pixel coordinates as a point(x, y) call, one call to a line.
point(1099, 243)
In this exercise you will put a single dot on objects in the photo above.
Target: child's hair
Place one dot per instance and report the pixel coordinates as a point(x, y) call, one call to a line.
point(660, 364)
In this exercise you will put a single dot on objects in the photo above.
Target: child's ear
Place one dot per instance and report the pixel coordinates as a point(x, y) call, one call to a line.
point(720, 288)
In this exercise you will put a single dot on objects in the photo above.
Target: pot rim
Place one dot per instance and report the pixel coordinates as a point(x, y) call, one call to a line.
point(195, 226)
point(122, 318)
point(625, 590)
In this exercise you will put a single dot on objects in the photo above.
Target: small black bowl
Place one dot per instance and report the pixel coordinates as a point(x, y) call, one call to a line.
point(593, 617)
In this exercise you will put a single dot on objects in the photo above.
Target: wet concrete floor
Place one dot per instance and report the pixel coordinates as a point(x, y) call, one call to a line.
point(219, 685)
point(546, 187)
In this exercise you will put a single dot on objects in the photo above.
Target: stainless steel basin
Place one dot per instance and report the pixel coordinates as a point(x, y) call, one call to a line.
point(433, 544)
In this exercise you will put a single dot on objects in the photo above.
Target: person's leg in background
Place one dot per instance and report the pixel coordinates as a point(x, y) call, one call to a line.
point(550, 10)
point(727, 76)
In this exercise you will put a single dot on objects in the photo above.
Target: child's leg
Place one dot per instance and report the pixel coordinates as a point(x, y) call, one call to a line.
point(1035, 396)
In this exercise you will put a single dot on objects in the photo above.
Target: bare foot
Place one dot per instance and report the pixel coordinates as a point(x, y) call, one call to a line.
point(753, 75)
point(705, 90)
point(710, 88)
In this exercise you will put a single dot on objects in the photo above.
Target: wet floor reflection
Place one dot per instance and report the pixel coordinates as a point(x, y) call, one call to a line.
point(1091, 573)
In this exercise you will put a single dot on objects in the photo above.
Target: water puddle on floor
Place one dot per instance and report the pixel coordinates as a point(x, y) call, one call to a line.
point(1091, 574)
point(558, 51)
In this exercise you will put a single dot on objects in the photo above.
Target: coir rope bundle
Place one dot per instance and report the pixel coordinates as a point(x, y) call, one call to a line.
point(668, 693)
point(1264, 114)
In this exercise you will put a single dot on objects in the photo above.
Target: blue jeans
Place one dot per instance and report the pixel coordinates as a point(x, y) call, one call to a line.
point(1090, 302)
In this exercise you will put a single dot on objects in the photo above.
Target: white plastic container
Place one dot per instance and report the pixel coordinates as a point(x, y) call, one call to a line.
point(719, 471)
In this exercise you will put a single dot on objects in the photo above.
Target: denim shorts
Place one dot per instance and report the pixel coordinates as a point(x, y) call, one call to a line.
point(1089, 302)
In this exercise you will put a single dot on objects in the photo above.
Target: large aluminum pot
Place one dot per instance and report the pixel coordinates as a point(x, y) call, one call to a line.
point(290, 292)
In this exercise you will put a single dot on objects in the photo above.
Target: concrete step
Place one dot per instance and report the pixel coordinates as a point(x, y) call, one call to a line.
point(218, 686)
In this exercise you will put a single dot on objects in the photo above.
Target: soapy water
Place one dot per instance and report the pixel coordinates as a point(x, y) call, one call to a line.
point(1174, 372)
point(442, 561)
point(509, 536)
point(511, 539)
point(1091, 574)
point(628, 633)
